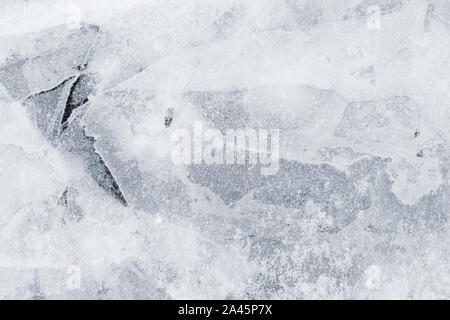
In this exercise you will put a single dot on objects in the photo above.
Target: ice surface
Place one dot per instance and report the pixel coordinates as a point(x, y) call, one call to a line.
point(93, 207)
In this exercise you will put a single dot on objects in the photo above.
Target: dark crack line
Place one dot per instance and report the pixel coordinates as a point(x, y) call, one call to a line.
point(72, 103)
point(115, 189)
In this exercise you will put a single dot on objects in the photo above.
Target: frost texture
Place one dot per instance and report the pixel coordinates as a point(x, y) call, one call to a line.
point(358, 209)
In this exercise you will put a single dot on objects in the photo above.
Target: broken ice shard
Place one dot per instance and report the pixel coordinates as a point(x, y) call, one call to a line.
point(46, 109)
point(41, 73)
point(74, 140)
point(51, 110)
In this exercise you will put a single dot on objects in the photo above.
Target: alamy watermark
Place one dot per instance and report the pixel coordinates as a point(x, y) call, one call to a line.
point(236, 146)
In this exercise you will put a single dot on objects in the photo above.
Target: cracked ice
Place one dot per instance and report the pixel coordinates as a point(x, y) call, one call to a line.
point(89, 100)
